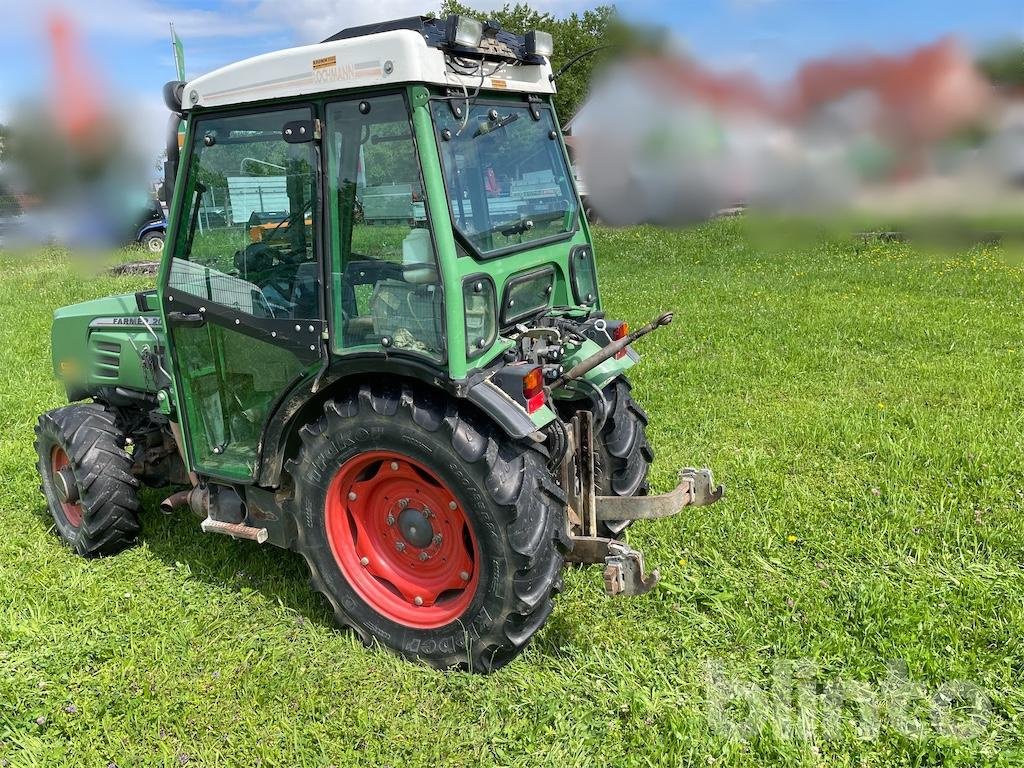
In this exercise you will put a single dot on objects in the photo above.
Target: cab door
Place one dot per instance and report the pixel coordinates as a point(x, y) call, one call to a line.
point(241, 298)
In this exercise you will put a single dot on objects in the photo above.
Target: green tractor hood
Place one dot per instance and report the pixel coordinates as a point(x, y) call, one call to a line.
point(105, 343)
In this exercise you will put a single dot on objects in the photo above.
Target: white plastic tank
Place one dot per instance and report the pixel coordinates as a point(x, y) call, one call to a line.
point(418, 257)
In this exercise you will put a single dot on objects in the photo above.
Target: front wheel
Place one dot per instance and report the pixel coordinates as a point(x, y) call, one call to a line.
point(87, 480)
point(427, 529)
point(154, 242)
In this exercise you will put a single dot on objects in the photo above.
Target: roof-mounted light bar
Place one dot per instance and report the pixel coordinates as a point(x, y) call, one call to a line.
point(465, 36)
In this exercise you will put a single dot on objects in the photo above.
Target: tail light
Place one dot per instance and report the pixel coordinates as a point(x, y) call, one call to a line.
point(620, 331)
point(533, 389)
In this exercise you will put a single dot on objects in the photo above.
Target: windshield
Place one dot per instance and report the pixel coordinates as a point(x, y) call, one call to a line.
point(507, 181)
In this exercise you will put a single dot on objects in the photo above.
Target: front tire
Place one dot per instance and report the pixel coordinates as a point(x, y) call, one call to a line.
point(87, 480)
point(154, 242)
point(426, 528)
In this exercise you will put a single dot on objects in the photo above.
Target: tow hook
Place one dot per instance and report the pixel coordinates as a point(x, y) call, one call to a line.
point(624, 571)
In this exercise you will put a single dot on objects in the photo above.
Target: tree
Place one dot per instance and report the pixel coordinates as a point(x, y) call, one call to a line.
point(573, 35)
point(1004, 65)
point(4, 134)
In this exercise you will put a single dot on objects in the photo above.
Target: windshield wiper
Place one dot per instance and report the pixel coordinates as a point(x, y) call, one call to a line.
point(292, 218)
point(488, 127)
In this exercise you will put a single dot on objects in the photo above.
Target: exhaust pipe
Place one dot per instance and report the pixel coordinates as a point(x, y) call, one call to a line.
point(175, 500)
point(196, 499)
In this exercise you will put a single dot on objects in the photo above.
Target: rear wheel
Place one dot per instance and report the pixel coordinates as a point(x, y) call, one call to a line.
point(427, 529)
point(86, 478)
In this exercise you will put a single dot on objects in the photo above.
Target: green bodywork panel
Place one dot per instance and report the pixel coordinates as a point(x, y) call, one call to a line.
point(100, 343)
point(602, 374)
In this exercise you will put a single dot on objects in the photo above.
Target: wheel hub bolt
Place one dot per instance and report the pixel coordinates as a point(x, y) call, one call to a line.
point(418, 600)
point(394, 466)
point(391, 519)
point(364, 561)
point(464, 575)
point(423, 556)
point(437, 538)
point(452, 506)
point(403, 503)
point(352, 496)
point(400, 546)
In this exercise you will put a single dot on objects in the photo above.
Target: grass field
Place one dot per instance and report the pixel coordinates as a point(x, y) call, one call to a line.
point(857, 599)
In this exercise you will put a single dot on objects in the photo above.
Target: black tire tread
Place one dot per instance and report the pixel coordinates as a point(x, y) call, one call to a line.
point(108, 490)
point(624, 455)
point(521, 489)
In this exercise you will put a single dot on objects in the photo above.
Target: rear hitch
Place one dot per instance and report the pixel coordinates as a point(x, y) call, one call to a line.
point(624, 572)
point(696, 488)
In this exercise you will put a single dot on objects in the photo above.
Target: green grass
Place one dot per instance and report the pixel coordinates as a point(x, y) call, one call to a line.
point(861, 400)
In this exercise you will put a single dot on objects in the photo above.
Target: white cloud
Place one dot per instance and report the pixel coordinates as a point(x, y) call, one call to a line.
point(314, 20)
point(306, 21)
point(137, 19)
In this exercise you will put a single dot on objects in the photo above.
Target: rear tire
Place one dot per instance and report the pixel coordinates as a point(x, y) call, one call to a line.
point(86, 478)
point(514, 531)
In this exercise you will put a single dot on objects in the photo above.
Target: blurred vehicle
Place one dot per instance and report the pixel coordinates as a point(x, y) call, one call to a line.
point(151, 230)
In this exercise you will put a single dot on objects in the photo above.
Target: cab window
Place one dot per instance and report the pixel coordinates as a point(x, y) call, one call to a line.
point(387, 286)
point(249, 217)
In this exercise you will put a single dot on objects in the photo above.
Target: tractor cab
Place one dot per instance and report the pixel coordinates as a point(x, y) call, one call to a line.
point(399, 192)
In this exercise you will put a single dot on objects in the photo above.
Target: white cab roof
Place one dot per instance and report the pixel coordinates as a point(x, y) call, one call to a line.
point(385, 58)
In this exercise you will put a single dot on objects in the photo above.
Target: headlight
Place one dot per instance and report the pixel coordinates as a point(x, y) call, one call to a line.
point(539, 43)
point(464, 31)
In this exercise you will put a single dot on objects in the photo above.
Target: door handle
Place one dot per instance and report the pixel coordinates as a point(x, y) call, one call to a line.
point(186, 319)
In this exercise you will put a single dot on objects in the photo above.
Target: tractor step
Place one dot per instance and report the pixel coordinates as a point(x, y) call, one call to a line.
point(235, 530)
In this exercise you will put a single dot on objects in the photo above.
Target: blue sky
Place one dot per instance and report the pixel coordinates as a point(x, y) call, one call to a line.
point(128, 39)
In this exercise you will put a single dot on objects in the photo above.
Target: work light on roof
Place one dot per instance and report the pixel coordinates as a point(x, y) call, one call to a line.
point(539, 43)
point(464, 31)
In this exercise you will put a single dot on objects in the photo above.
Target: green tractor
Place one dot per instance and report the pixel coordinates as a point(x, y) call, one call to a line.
point(376, 339)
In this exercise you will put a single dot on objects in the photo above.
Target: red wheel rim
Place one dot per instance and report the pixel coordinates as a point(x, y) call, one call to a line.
point(402, 539)
point(59, 460)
